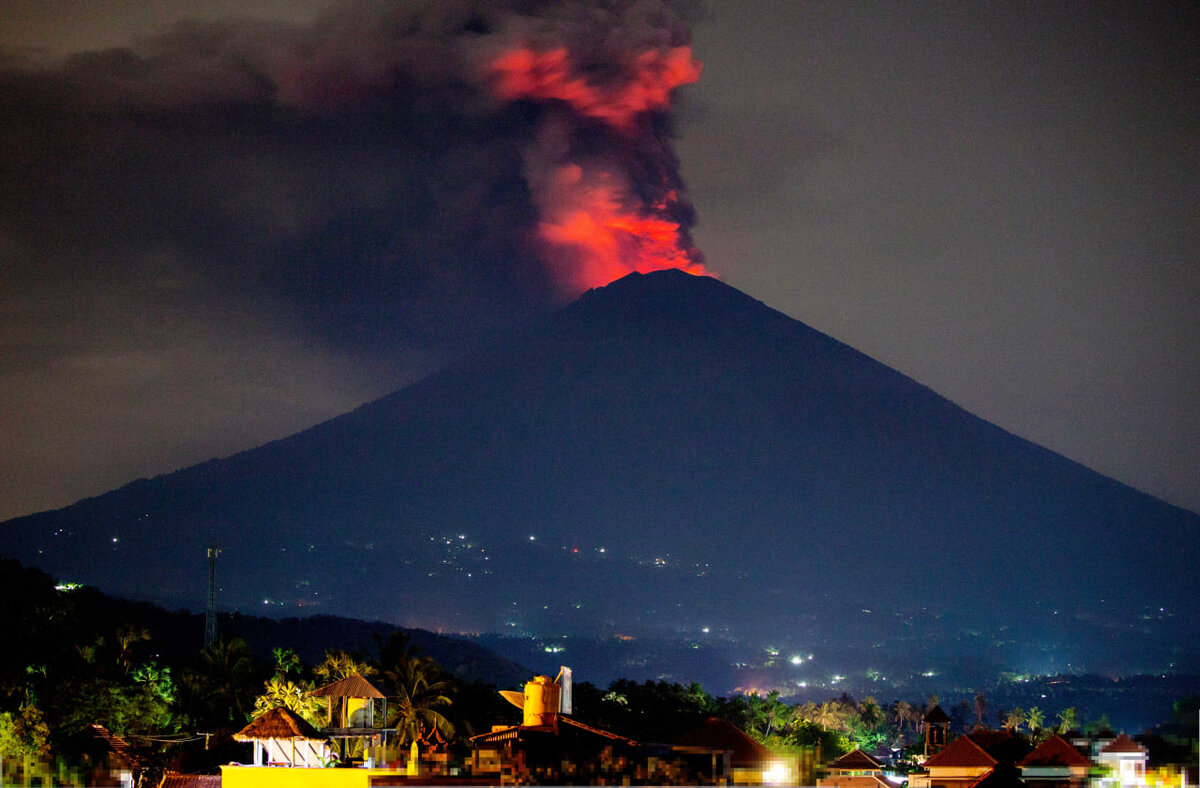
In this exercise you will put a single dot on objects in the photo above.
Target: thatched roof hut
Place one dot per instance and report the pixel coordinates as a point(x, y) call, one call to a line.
point(282, 737)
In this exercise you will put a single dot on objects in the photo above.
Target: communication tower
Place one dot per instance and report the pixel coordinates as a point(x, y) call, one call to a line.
point(210, 617)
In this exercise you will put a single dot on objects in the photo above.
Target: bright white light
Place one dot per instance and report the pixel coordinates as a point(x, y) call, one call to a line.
point(797, 660)
point(776, 774)
point(929, 674)
point(705, 630)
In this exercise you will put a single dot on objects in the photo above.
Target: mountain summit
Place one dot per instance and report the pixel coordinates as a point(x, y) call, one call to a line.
point(664, 455)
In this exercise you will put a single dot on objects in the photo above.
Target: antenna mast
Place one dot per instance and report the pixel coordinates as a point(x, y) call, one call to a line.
point(210, 617)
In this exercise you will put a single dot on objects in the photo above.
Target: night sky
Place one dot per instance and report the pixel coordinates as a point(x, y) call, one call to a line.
point(215, 232)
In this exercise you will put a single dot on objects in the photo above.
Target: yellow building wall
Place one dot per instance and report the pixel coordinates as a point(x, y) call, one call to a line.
point(283, 777)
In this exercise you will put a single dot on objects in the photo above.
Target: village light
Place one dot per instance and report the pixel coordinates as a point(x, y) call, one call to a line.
point(777, 773)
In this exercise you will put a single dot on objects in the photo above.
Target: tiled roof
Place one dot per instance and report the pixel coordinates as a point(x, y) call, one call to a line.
point(1004, 745)
point(177, 780)
point(857, 760)
point(1055, 751)
point(960, 753)
point(719, 734)
point(1123, 744)
point(354, 686)
point(278, 723)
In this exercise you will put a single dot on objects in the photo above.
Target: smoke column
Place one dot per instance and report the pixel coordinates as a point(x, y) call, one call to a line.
point(601, 170)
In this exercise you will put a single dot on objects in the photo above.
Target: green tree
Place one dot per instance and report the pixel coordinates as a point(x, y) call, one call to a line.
point(1034, 719)
point(829, 715)
point(339, 664)
point(870, 713)
point(220, 692)
point(280, 692)
point(1015, 719)
point(1068, 718)
point(421, 691)
point(287, 662)
point(127, 638)
point(905, 713)
point(24, 734)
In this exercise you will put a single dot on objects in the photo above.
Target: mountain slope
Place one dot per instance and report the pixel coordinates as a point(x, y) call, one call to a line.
point(665, 454)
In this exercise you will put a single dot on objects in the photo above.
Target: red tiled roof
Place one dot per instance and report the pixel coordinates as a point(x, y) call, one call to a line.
point(354, 686)
point(1004, 745)
point(1123, 744)
point(1055, 751)
point(857, 760)
point(719, 734)
point(961, 753)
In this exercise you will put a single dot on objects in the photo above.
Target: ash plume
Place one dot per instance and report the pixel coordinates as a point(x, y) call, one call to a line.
point(380, 172)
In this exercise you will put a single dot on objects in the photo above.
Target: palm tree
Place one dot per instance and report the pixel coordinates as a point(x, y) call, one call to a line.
point(981, 706)
point(869, 713)
point(127, 636)
point(227, 673)
point(1068, 718)
point(420, 690)
point(339, 664)
point(827, 714)
point(903, 713)
point(1015, 719)
point(1034, 719)
point(777, 712)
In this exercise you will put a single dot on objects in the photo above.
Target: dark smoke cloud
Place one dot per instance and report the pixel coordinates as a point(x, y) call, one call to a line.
point(348, 189)
point(359, 167)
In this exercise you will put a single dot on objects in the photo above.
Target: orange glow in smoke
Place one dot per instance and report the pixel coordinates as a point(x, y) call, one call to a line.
point(530, 74)
point(592, 238)
point(593, 228)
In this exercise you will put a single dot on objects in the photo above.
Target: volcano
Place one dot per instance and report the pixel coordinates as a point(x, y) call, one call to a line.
point(663, 456)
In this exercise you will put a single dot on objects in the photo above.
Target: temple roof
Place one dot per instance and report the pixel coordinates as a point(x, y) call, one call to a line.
point(936, 714)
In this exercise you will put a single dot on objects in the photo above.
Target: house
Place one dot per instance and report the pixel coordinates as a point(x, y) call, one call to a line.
point(1055, 762)
point(107, 758)
point(356, 710)
point(741, 759)
point(855, 769)
point(283, 738)
point(1126, 761)
point(971, 760)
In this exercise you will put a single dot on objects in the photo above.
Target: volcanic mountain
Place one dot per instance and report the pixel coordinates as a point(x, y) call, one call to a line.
point(664, 455)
